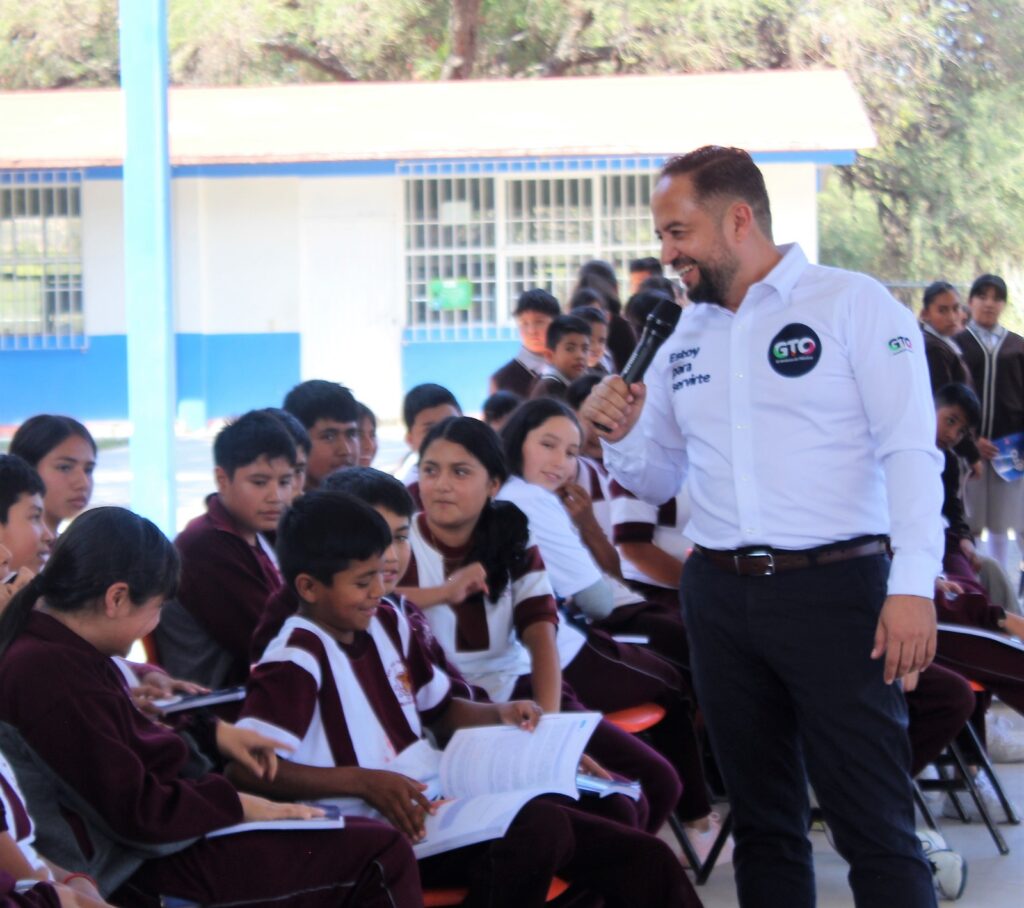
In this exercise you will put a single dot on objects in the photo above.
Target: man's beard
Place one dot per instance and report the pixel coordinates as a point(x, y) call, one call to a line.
point(714, 280)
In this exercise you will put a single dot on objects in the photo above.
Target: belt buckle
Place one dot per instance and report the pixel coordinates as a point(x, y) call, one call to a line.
point(757, 553)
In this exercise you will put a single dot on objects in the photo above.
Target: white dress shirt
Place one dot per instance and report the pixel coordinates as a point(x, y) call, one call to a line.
point(805, 418)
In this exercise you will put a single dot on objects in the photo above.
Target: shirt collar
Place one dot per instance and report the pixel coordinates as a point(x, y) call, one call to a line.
point(533, 361)
point(787, 271)
point(989, 338)
point(948, 341)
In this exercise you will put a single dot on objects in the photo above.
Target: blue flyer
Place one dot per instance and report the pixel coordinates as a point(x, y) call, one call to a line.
point(1009, 462)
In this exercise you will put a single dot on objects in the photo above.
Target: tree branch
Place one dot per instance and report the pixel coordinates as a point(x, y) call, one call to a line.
point(323, 60)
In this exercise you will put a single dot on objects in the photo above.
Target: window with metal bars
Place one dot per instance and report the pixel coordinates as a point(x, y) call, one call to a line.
point(41, 260)
point(473, 244)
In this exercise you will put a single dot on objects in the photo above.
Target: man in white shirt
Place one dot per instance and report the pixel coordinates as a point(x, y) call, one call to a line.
point(796, 401)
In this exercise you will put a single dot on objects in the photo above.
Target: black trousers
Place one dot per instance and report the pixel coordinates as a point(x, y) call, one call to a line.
point(786, 684)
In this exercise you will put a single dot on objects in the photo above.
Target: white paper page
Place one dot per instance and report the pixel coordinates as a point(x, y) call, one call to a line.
point(466, 821)
point(278, 826)
point(501, 758)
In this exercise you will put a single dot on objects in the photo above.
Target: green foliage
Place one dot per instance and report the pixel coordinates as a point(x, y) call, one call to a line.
point(943, 81)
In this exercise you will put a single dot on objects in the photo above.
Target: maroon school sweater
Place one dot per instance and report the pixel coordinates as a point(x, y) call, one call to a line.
point(225, 582)
point(71, 706)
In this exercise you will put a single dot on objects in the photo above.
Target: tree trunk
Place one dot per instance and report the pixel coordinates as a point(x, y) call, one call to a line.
point(463, 28)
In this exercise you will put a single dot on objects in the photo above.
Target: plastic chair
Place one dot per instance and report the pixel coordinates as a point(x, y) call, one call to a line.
point(441, 898)
point(637, 720)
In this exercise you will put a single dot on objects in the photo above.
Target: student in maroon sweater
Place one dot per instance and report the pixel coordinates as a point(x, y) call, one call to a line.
point(134, 788)
point(228, 566)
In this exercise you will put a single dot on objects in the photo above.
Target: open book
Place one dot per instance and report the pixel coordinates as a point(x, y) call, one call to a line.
point(485, 775)
point(183, 702)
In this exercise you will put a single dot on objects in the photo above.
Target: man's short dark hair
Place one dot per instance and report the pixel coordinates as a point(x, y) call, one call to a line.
point(253, 435)
point(17, 478)
point(720, 172)
point(377, 488)
point(989, 280)
point(563, 325)
point(579, 390)
point(323, 532)
point(423, 397)
point(957, 394)
point(319, 399)
point(649, 265)
point(590, 314)
point(934, 290)
point(295, 428)
point(499, 405)
point(537, 300)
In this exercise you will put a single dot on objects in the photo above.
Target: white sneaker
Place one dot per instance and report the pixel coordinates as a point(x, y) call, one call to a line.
point(988, 796)
point(1004, 740)
point(949, 869)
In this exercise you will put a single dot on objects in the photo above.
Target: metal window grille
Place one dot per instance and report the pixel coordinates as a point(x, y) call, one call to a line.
point(41, 260)
point(505, 233)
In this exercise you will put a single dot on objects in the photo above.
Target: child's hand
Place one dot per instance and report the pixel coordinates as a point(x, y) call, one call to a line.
point(524, 714)
point(466, 582)
point(577, 502)
point(591, 767)
point(7, 590)
point(949, 587)
point(74, 895)
point(255, 808)
point(399, 798)
point(159, 686)
point(254, 751)
point(986, 449)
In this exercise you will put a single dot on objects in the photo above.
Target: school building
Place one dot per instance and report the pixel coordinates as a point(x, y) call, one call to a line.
point(374, 234)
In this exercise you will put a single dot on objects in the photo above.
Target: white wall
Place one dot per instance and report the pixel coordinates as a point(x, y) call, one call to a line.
point(793, 193)
point(351, 286)
point(103, 256)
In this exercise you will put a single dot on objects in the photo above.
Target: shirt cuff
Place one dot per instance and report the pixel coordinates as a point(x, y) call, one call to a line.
point(913, 574)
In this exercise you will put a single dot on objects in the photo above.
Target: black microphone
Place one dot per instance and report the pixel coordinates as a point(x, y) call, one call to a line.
point(658, 329)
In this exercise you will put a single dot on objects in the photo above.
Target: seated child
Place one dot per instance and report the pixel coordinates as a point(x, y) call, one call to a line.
point(348, 687)
point(568, 346)
point(498, 407)
point(598, 321)
point(534, 312)
point(303, 445)
point(23, 530)
point(331, 417)
point(423, 408)
point(367, 435)
point(64, 454)
point(128, 800)
point(228, 567)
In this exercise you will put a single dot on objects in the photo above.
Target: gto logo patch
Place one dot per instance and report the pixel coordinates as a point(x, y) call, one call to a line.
point(794, 351)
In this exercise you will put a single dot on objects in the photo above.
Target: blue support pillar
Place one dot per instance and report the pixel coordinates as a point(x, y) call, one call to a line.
point(147, 246)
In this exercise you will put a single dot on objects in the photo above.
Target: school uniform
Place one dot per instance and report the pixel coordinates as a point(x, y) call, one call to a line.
point(138, 780)
point(996, 363)
point(481, 637)
point(15, 820)
point(519, 373)
point(945, 359)
point(225, 582)
point(550, 383)
point(365, 703)
point(781, 417)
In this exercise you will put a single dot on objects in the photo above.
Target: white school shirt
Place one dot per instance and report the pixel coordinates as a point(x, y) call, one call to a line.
point(636, 520)
point(16, 818)
point(804, 418)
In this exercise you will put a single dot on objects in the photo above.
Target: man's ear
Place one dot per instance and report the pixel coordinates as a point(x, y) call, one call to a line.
point(308, 588)
point(117, 601)
point(739, 220)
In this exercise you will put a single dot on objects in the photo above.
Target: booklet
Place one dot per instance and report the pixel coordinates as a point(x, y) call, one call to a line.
point(595, 785)
point(486, 775)
point(333, 820)
point(184, 702)
point(1009, 462)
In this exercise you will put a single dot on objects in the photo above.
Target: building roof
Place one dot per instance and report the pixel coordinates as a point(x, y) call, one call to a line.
point(777, 111)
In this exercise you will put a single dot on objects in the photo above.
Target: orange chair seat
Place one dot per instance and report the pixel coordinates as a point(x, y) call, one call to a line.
point(442, 898)
point(637, 718)
point(977, 687)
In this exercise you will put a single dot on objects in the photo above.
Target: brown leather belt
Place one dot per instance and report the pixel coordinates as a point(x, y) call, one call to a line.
point(763, 562)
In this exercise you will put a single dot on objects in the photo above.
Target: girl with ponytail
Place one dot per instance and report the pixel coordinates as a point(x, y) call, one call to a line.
point(145, 799)
point(481, 582)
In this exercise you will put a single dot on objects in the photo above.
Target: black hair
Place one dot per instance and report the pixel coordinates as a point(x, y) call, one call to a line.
point(500, 404)
point(295, 428)
point(649, 264)
point(957, 394)
point(323, 532)
point(366, 413)
point(38, 435)
point(101, 547)
point(590, 314)
point(585, 297)
point(579, 390)
point(563, 325)
point(600, 277)
point(318, 399)
point(502, 534)
point(642, 303)
point(528, 417)
point(17, 478)
point(423, 397)
point(537, 300)
point(936, 289)
point(661, 283)
point(377, 488)
point(253, 435)
point(717, 171)
point(989, 280)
